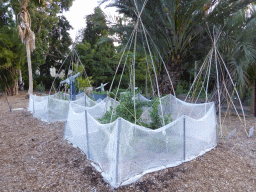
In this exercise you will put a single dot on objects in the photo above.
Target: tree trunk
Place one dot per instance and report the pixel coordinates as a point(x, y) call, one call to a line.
point(174, 69)
point(16, 84)
point(21, 83)
point(20, 76)
point(30, 90)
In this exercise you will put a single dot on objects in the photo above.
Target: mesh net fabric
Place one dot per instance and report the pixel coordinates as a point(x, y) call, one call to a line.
point(55, 107)
point(123, 151)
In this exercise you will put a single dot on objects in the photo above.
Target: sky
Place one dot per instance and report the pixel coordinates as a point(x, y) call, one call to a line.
point(79, 10)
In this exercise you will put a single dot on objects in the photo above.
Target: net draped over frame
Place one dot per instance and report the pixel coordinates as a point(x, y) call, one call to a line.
point(123, 151)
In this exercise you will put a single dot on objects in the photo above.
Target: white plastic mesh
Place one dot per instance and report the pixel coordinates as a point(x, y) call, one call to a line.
point(55, 107)
point(142, 98)
point(41, 106)
point(123, 151)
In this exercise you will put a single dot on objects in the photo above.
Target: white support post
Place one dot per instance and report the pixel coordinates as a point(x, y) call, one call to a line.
point(84, 99)
point(117, 147)
point(216, 126)
point(184, 136)
point(33, 108)
point(48, 110)
point(87, 135)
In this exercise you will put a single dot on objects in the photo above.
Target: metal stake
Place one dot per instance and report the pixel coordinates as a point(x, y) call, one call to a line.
point(33, 108)
point(184, 129)
point(117, 147)
point(87, 134)
point(84, 99)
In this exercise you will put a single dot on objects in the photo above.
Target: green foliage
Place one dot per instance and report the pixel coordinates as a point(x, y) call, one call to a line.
point(58, 48)
point(96, 26)
point(155, 118)
point(82, 81)
point(119, 92)
point(47, 81)
point(12, 54)
point(181, 88)
point(61, 96)
point(98, 57)
point(179, 29)
point(40, 87)
point(126, 111)
point(51, 31)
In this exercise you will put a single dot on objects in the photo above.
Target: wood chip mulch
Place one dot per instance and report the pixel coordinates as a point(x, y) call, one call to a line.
point(35, 157)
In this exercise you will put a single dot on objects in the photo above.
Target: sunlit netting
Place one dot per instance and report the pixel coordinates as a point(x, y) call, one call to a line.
point(123, 151)
point(142, 98)
point(55, 107)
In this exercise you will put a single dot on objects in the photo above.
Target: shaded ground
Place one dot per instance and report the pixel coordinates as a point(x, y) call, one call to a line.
point(34, 157)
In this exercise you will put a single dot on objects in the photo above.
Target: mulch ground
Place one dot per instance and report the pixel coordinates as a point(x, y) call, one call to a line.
point(35, 157)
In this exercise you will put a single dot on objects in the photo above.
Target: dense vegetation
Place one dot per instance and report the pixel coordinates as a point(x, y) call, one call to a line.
point(179, 28)
point(131, 111)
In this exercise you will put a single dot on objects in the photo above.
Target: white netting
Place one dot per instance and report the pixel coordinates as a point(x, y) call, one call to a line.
point(55, 107)
point(141, 98)
point(124, 152)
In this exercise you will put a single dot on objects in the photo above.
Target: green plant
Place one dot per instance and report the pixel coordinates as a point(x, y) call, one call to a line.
point(168, 119)
point(119, 92)
point(125, 109)
point(156, 121)
point(60, 95)
point(46, 80)
point(90, 96)
point(40, 87)
point(83, 83)
point(181, 88)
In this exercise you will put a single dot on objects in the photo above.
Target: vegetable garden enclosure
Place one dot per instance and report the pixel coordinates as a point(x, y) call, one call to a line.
point(124, 149)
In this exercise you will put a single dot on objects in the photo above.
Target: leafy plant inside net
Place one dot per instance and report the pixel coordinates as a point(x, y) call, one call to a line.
point(62, 96)
point(126, 110)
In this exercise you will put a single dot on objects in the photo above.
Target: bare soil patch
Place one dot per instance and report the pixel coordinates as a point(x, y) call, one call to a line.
point(35, 157)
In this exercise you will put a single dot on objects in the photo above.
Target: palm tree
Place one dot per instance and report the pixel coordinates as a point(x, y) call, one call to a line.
point(173, 26)
point(27, 37)
point(238, 45)
point(178, 27)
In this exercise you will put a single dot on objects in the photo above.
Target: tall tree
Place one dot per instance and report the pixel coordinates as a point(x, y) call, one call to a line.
point(178, 27)
point(11, 49)
point(58, 47)
point(44, 17)
point(27, 37)
point(97, 55)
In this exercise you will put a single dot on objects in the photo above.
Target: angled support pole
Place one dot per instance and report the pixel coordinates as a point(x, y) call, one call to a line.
point(10, 107)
